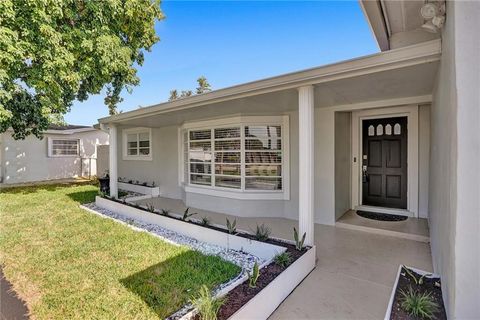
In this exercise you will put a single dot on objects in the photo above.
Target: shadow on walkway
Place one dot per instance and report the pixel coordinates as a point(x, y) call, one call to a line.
point(11, 307)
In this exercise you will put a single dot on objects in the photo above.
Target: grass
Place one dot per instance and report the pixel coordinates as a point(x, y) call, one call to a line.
point(68, 263)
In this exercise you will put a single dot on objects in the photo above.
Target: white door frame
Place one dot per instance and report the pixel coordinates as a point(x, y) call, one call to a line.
point(411, 112)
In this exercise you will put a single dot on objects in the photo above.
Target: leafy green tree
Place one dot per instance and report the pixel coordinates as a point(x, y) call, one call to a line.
point(203, 85)
point(53, 52)
point(186, 93)
point(173, 95)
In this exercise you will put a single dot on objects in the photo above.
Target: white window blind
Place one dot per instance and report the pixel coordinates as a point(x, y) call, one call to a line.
point(63, 147)
point(243, 157)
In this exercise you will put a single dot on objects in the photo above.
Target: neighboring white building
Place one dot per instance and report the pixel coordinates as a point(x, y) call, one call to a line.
point(397, 132)
point(64, 152)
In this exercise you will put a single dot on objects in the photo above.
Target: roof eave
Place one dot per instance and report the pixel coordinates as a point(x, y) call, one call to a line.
point(402, 57)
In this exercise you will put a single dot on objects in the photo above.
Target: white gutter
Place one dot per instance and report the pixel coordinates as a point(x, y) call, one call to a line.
point(402, 57)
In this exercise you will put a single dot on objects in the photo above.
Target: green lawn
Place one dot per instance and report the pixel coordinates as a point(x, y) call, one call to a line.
point(68, 263)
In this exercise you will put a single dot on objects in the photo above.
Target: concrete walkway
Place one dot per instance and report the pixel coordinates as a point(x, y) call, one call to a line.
point(11, 308)
point(355, 270)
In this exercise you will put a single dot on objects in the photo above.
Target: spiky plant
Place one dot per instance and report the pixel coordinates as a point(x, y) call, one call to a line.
point(205, 221)
point(165, 212)
point(151, 207)
point(206, 304)
point(253, 277)
point(298, 242)
point(187, 215)
point(232, 226)
point(262, 232)
point(419, 280)
point(283, 259)
point(419, 305)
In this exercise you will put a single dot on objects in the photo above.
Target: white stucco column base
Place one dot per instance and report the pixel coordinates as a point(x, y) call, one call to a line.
point(306, 159)
point(112, 158)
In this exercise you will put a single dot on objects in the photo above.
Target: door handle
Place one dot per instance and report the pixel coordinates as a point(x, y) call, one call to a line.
point(364, 174)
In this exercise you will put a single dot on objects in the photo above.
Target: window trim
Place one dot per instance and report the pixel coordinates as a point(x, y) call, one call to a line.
point(137, 131)
point(241, 193)
point(50, 148)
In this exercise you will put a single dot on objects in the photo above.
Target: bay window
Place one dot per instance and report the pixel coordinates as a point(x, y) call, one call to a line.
point(237, 156)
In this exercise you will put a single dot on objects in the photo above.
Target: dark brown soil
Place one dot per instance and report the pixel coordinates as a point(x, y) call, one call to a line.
point(240, 295)
point(404, 282)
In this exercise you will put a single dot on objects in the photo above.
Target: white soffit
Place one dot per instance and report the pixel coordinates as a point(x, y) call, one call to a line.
point(390, 74)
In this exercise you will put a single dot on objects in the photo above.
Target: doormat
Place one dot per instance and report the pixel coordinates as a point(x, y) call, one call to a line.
point(381, 216)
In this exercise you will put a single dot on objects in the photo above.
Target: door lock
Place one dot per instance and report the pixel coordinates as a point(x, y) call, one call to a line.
point(364, 174)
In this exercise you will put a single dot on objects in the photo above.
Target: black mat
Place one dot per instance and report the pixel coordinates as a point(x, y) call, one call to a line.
point(381, 216)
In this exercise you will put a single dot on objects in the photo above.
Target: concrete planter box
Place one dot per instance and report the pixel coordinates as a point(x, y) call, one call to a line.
point(262, 250)
point(388, 313)
point(150, 191)
point(266, 301)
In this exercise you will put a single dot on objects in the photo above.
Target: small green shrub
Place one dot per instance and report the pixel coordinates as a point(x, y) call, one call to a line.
point(262, 233)
point(283, 259)
point(151, 207)
point(206, 304)
point(253, 277)
point(298, 242)
point(232, 226)
point(122, 193)
point(420, 305)
point(165, 212)
point(205, 221)
point(187, 215)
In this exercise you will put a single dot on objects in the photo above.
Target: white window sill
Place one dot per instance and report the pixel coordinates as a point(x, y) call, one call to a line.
point(149, 158)
point(237, 194)
point(64, 156)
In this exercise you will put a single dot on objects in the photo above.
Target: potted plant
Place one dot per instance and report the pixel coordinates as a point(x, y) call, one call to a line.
point(105, 182)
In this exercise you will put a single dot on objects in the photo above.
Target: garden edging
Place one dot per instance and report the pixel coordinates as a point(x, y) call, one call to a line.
point(267, 301)
point(265, 251)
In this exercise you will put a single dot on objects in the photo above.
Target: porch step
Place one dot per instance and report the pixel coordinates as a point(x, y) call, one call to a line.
point(384, 232)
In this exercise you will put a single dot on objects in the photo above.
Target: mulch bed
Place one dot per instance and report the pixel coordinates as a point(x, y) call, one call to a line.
point(381, 216)
point(241, 294)
point(404, 282)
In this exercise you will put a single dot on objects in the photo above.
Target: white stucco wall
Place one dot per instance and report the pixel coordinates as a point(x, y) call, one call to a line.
point(27, 160)
point(343, 147)
point(162, 169)
point(423, 159)
point(455, 149)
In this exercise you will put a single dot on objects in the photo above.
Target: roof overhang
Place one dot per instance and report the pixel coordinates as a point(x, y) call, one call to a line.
point(396, 23)
point(402, 60)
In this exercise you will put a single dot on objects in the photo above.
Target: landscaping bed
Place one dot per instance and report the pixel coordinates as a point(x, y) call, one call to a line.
point(242, 300)
point(413, 283)
point(243, 293)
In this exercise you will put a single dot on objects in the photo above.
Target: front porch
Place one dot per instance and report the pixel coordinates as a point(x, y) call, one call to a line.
point(355, 270)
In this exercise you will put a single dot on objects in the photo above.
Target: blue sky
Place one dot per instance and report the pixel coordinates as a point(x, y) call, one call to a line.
point(235, 42)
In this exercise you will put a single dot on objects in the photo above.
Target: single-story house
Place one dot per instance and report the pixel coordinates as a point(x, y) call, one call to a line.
point(68, 151)
point(393, 132)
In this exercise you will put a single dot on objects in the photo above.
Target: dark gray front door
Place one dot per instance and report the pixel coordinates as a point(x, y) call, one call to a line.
point(384, 162)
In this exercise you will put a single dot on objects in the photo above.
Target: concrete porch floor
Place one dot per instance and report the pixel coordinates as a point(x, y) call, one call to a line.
point(412, 228)
point(355, 269)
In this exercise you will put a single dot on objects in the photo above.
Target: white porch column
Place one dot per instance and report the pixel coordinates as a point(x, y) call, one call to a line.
point(112, 158)
point(306, 160)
